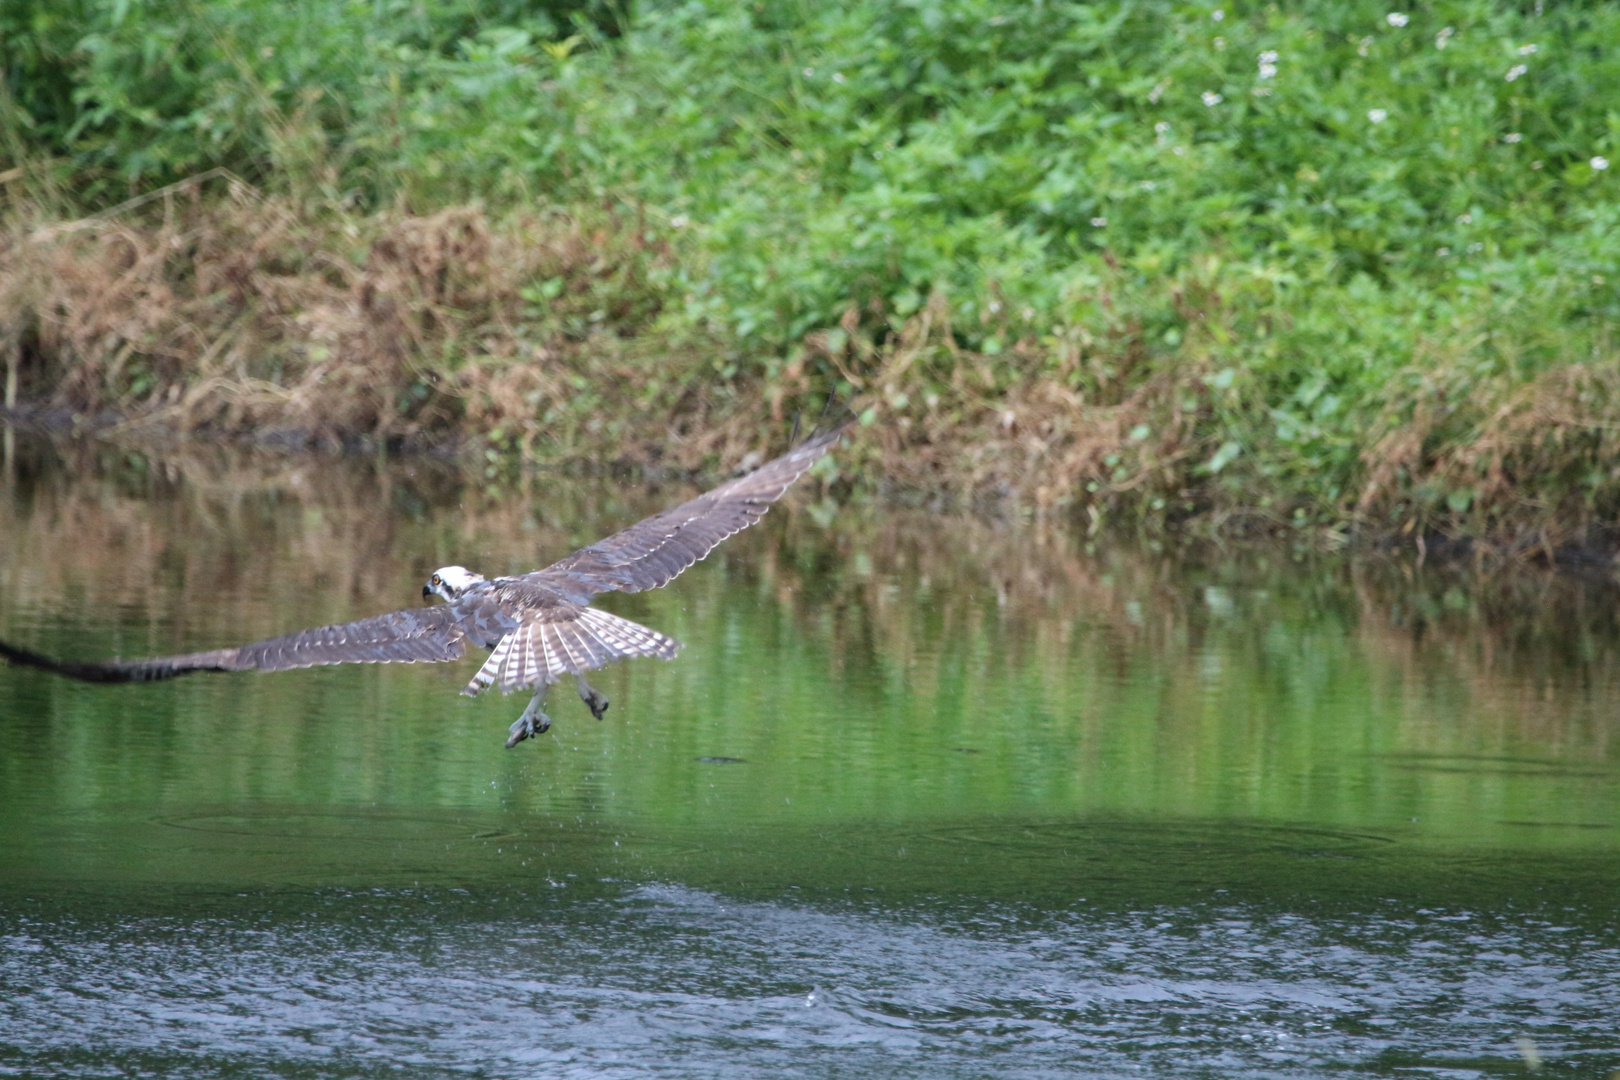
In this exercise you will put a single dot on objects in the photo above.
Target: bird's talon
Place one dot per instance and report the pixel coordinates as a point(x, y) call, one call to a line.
point(593, 699)
point(527, 727)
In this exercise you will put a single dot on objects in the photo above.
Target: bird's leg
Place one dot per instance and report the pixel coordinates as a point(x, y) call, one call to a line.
point(592, 697)
point(532, 722)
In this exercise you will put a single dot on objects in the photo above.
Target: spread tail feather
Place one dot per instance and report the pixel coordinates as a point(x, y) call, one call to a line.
point(541, 651)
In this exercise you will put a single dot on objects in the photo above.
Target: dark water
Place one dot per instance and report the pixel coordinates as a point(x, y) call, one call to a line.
point(922, 797)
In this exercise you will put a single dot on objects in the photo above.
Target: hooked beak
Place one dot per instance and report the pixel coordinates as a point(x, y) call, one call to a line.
point(426, 592)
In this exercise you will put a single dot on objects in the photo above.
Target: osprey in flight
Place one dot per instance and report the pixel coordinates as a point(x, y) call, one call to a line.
point(538, 626)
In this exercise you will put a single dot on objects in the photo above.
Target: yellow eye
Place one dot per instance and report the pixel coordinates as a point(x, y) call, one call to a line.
point(435, 579)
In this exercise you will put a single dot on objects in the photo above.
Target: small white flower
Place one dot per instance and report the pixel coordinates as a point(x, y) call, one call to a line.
point(1220, 44)
point(1600, 163)
point(1529, 50)
point(1512, 137)
point(1378, 116)
point(1269, 56)
point(1442, 37)
point(1363, 46)
point(1162, 127)
point(1397, 18)
point(1535, 165)
point(1218, 14)
point(1158, 91)
point(1515, 71)
point(1268, 71)
point(809, 73)
point(1465, 219)
point(1442, 252)
point(1098, 222)
point(1211, 98)
point(679, 221)
point(838, 76)
point(1148, 185)
point(995, 307)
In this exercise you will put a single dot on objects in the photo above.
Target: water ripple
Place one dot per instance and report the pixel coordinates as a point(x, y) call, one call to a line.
point(670, 981)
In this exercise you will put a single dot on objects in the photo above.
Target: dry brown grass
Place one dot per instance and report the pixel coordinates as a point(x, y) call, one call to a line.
point(247, 315)
point(212, 308)
point(1533, 464)
point(1082, 421)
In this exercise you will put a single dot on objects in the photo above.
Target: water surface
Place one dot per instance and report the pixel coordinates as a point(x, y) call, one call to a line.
point(923, 796)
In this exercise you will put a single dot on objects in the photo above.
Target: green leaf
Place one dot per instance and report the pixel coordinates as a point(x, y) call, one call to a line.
point(1223, 457)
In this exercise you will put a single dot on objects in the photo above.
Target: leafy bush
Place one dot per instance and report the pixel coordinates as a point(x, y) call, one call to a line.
point(875, 151)
point(149, 90)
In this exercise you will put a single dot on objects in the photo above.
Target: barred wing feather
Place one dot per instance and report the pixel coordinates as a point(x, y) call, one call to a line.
point(422, 635)
point(652, 552)
point(428, 635)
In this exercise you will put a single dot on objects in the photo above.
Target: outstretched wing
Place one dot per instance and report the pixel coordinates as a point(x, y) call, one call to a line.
point(652, 552)
point(425, 634)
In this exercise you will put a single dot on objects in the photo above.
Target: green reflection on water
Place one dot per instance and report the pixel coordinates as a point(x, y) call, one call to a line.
point(890, 701)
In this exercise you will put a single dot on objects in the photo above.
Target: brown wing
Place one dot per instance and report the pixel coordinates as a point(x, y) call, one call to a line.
point(424, 634)
point(652, 552)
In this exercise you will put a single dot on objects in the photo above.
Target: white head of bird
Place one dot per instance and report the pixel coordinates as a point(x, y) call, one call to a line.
point(450, 582)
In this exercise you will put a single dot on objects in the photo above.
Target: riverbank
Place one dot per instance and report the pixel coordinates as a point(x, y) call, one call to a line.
point(1162, 268)
point(538, 338)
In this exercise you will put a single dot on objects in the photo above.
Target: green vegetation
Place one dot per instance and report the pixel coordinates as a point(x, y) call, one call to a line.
point(1337, 265)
